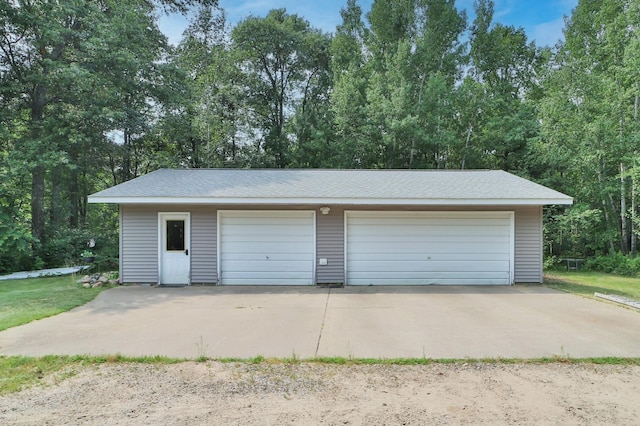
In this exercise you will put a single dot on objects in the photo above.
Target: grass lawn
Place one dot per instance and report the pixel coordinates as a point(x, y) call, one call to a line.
point(586, 283)
point(22, 301)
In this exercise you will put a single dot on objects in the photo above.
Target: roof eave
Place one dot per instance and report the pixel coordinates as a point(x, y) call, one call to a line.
point(345, 201)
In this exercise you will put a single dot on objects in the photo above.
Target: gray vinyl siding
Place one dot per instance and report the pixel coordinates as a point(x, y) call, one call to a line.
point(139, 236)
point(139, 255)
point(139, 240)
point(330, 246)
point(528, 251)
point(204, 268)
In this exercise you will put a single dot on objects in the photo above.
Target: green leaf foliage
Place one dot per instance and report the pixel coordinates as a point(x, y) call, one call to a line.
point(92, 95)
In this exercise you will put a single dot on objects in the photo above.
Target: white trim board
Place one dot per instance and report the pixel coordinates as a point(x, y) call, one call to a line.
point(340, 201)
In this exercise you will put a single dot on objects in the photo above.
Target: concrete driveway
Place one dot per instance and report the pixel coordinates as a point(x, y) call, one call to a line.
point(380, 322)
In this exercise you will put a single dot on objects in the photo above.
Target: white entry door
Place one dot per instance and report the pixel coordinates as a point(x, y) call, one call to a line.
point(174, 259)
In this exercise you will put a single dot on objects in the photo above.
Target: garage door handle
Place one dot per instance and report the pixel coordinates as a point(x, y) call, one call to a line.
point(186, 252)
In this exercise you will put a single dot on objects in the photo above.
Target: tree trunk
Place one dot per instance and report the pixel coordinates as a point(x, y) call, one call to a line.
point(607, 219)
point(37, 204)
point(126, 157)
point(82, 202)
point(466, 146)
point(624, 231)
point(73, 200)
point(57, 211)
point(633, 236)
point(39, 171)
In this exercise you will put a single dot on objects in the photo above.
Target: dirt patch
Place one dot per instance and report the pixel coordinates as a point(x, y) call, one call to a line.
point(264, 394)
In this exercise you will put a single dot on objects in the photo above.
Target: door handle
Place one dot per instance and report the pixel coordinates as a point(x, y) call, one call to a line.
point(186, 252)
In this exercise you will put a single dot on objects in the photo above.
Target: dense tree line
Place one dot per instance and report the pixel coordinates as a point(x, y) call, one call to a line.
point(92, 95)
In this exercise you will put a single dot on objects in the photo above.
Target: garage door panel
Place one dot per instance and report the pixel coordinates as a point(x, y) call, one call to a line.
point(413, 257)
point(274, 257)
point(259, 235)
point(267, 281)
point(278, 218)
point(262, 243)
point(458, 237)
point(266, 229)
point(418, 221)
point(266, 267)
point(403, 247)
point(430, 266)
point(434, 230)
point(429, 247)
point(400, 276)
point(248, 276)
point(438, 281)
point(266, 247)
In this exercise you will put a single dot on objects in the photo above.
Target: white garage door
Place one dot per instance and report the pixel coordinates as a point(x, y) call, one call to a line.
point(266, 247)
point(404, 248)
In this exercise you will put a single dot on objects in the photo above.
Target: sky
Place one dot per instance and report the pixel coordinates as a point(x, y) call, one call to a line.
point(542, 20)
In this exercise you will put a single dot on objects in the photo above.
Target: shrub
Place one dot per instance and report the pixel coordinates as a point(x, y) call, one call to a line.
point(551, 263)
point(15, 245)
point(616, 263)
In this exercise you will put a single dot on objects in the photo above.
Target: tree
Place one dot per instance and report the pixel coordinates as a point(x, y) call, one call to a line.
point(589, 115)
point(348, 98)
point(281, 56)
point(415, 60)
point(71, 74)
point(203, 110)
point(506, 65)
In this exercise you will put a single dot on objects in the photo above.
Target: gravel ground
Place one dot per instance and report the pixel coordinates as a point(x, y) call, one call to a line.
point(192, 393)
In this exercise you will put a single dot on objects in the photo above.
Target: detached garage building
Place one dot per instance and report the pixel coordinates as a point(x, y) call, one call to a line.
point(307, 227)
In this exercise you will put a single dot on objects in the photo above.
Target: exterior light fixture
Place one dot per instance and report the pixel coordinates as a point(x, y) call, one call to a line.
point(325, 210)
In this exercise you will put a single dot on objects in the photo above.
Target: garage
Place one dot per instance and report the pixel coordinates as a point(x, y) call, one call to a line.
point(417, 248)
point(266, 247)
point(332, 227)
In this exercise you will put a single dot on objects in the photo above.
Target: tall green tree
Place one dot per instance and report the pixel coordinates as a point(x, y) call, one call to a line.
point(350, 71)
point(282, 57)
point(71, 74)
point(589, 117)
point(204, 108)
point(505, 63)
point(415, 60)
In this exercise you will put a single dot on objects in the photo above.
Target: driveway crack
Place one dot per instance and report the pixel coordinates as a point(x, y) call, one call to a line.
point(324, 316)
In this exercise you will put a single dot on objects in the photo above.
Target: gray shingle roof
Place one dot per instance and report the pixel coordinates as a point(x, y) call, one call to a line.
point(307, 186)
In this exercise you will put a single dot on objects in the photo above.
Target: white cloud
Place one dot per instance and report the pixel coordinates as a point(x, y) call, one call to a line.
point(548, 33)
point(502, 9)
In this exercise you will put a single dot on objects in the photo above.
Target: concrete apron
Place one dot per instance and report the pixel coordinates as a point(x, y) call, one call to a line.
point(305, 322)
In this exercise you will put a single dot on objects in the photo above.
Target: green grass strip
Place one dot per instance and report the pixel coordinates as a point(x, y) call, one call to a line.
point(18, 372)
point(588, 282)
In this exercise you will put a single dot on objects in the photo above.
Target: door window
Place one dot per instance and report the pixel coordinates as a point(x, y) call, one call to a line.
point(175, 235)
